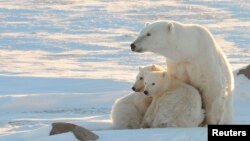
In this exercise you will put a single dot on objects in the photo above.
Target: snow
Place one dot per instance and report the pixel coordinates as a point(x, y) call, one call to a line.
point(69, 60)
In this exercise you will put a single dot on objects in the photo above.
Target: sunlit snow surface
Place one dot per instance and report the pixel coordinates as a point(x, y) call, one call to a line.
point(68, 60)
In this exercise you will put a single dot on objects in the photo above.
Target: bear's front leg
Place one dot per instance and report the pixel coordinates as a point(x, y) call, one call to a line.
point(214, 106)
point(147, 121)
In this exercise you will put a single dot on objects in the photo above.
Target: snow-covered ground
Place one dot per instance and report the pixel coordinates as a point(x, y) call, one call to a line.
point(68, 60)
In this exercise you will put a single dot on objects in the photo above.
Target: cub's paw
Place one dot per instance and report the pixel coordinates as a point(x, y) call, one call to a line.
point(145, 125)
point(166, 124)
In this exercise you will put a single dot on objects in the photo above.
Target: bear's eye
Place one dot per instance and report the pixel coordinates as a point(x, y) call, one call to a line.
point(148, 34)
point(153, 83)
point(141, 78)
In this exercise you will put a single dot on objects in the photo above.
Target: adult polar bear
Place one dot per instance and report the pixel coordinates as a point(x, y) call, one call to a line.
point(194, 57)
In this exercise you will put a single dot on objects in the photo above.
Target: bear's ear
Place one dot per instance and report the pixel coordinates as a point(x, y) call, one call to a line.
point(140, 68)
point(153, 67)
point(170, 27)
point(146, 24)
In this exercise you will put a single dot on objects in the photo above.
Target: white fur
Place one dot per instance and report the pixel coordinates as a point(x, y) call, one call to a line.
point(128, 111)
point(139, 83)
point(193, 56)
point(175, 104)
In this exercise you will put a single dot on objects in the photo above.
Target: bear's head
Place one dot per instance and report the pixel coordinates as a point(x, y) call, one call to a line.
point(155, 83)
point(159, 37)
point(139, 83)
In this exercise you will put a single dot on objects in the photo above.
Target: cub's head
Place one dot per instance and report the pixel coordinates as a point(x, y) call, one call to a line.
point(139, 83)
point(155, 83)
point(154, 37)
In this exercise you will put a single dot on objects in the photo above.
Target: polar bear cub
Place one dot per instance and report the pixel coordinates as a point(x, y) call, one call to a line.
point(139, 83)
point(175, 103)
point(128, 111)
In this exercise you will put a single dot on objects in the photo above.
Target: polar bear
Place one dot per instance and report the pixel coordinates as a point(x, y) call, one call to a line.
point(128, 111)
point(193, 56)
point(139, 83)
point(175, 103)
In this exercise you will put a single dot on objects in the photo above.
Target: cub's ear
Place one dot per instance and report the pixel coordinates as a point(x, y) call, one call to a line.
point(140, 68)
point(170, 27)
point(153, 67)
point(146, 24)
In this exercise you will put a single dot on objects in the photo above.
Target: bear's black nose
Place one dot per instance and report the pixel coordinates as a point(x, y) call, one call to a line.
point(146, 92)
point(132, 46)
point(133, 88)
